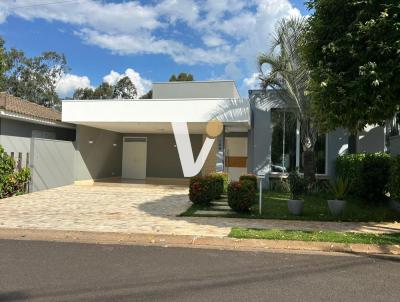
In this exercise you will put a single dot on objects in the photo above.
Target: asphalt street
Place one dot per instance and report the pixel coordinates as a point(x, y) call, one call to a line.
point(48, 271)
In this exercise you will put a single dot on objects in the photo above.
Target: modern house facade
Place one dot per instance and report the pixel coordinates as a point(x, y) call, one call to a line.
point(134, 139)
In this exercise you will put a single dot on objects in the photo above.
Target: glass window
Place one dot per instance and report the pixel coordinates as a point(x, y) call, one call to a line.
point(283, 147)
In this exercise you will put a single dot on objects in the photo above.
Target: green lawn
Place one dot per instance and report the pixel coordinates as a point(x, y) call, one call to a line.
point(315, 208)
point(321, 236)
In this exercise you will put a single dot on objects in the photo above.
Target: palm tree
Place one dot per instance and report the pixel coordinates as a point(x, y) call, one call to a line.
point(287, 77)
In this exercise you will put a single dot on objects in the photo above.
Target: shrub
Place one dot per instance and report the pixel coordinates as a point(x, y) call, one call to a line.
point(297, 185)
point(368, 174)
point(220, 183)
point(241, 195)
point(251, 178)
point(279, 185)
point(395, 178)
point(12, 182)
point(339, 188)
point(201, 189)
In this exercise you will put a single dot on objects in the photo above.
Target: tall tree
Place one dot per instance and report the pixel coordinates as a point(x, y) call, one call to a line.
point(287, 78)
point(34, 79)
point(83, 94)
point(3, 65)
point(125, 89)
point(104, 91)
point(182, 77)
point(148, 95)
point(353, 51)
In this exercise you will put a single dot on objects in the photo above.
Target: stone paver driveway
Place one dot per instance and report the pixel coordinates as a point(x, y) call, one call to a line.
point(136, 208)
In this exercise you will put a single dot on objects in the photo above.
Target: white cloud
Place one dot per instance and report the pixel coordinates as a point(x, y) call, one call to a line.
point(68, 83)
point(252, 82)
point(142, 85)
point(213, 40)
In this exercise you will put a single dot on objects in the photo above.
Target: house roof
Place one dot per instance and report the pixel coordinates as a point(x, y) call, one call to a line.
point(14, 104)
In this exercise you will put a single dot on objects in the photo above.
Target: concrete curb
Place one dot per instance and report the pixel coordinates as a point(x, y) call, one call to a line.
point(166, 240)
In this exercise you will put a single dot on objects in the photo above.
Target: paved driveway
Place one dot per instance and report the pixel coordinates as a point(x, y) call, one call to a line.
point(136, 208)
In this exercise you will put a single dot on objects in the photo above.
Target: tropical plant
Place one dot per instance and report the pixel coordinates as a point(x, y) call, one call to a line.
point(297, 185)
point(339, 188)
point(285, 83)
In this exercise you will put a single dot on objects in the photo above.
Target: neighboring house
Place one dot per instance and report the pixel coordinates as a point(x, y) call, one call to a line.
point(275, 140)
point(134, 138)
point(36, 137)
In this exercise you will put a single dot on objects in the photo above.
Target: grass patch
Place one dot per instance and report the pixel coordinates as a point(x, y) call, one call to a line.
point(319, 236)
point(315, 209)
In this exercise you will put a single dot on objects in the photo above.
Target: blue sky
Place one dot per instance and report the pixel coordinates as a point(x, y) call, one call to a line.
point(146, 40)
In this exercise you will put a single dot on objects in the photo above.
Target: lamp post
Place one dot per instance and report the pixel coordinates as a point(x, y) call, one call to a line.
point(260, 176)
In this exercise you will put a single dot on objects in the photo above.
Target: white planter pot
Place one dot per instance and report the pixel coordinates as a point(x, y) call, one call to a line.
point(295, 207)
point(336, 206)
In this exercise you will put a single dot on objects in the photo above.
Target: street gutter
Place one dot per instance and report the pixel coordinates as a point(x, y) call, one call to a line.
point(189, 241)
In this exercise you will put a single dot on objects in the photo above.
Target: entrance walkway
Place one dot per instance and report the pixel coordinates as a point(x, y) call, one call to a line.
point(137, 208)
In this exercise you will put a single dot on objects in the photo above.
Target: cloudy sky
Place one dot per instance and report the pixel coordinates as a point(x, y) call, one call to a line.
point(105, 40)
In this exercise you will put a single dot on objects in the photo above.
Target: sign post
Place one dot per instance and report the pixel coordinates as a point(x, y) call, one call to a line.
point(260, 177)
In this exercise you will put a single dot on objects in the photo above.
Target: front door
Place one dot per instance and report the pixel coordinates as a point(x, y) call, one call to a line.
point(134, 155)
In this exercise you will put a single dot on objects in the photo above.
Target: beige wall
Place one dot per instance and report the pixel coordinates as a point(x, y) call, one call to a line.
point(195, 89)
point(101, 159)
point(162, 155)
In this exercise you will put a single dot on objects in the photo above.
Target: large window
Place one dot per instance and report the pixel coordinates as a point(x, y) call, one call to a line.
point(286, 150)
point(283, 148)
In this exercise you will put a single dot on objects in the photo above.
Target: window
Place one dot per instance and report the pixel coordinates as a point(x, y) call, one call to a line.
point(283, 147)
point(394, 126)
point(286, 151)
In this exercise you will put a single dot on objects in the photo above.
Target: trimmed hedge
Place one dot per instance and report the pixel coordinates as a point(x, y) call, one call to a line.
point(202, 189)
point(241, 195)
point(251, 178)
point(395, 178)
point(221, 183)
point(368, 174)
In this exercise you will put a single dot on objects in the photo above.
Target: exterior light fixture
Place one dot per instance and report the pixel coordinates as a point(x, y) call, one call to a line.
point(90, 142)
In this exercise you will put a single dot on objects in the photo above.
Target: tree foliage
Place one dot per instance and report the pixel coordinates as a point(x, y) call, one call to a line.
point(103, 91)
point(353, 51)
point(31, 78)
point(125, 89)
point(182, 77)
point(147, 95)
